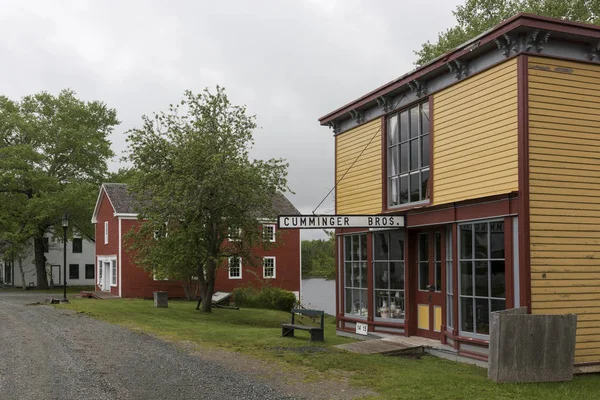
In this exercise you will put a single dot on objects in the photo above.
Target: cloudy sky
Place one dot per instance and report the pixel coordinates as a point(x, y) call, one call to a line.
point(290, 62)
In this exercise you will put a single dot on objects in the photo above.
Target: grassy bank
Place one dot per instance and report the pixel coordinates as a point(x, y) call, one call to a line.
point(257, 333)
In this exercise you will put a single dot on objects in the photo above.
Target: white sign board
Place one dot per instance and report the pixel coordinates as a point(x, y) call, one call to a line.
point(339, 221)
point(362, 329)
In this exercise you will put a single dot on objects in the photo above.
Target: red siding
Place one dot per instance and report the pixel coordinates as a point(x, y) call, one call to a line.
point(106, 213)
point(139, 283)
point(287, 266)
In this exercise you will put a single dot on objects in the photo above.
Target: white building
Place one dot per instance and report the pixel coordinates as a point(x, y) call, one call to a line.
point(80, 263)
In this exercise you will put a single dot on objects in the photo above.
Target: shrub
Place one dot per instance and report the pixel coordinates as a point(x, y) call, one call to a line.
point(268, 297)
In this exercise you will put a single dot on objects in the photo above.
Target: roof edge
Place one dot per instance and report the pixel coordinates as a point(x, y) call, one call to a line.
point(511, 23)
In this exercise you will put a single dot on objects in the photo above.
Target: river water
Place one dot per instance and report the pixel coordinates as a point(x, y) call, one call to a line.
point(319, 294)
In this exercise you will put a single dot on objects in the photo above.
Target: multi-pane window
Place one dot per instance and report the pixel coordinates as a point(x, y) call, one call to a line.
point(113, 273)
point(268, 267)
point(234, 234)
point(235, 267)
point(73, 271)
point(105, 232)
point(388, 259)
point(449, 281)
point(408, 155)
point(89, 271)
point(482, 274)
point(269, 233)
point(355, 274)
point(77, 245)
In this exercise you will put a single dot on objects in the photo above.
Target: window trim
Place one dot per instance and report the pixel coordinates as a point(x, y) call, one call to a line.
point(105, 232)
point(229, 262)
point(85, 274)
point(273, 235)
point(343, 280)
point(274, 267)
point(73, 246)
point(78, 271)
point(384, 175)
point(374, 261)
point(114, 271)
point(458, 295)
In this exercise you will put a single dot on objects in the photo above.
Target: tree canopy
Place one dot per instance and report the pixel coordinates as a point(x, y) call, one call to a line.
point(477, 16)
point(53, 154)
point(318, 257)
point(196, 186)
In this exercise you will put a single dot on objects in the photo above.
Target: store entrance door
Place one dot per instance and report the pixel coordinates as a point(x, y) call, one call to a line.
point(429, 294)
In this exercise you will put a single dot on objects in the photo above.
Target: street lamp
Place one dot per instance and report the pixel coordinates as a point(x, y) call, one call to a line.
point(65, 225)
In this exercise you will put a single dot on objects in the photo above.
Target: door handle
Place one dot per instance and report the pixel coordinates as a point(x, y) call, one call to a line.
point(431, 288)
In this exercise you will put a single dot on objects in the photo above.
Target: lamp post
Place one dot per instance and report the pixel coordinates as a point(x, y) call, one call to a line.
point(65, 225)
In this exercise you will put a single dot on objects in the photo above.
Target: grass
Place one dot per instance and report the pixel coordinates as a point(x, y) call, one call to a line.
point(257, 333)
point(57, 289)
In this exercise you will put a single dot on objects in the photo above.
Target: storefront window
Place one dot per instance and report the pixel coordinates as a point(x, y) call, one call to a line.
point(482, 274)
point(388, 259)
point(355, 274)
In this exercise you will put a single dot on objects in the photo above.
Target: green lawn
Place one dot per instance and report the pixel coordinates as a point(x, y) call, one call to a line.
point(58, 289)
point(257, 333)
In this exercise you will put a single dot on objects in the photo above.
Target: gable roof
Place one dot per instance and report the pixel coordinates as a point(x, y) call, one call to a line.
point(123, 202)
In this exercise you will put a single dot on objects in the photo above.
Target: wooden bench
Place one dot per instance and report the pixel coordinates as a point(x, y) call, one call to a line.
point(316, 332)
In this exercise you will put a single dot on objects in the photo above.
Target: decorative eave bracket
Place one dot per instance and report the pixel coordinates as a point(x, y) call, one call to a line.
point(594, 53)
point(535, 41)
point(334, 126)
point(459, 69)
point(507, 45)
point(417, 87)
point(384, 103)
point(357, 116)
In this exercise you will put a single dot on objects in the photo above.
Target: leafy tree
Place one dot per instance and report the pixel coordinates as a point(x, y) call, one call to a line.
point(477, 16)
point(53, 154)
point(318, 257)
point(195, 179)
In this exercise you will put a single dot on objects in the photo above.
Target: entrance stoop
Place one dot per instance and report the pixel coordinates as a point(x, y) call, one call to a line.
point(96, 295)
point(394, 345)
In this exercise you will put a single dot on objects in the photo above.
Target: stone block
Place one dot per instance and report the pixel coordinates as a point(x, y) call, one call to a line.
point(161, 299)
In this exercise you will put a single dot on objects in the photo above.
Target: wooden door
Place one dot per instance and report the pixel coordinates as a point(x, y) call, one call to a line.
point(429, 290)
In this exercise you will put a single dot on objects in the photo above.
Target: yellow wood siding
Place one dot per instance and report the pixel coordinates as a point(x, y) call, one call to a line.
point(359, 192)
point(564, 180)
point(475, 136)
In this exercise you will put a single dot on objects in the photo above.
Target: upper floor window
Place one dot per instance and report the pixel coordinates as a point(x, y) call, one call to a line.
point(269, 233)
point(408, 155)
point(105, 232)
point(77, 245)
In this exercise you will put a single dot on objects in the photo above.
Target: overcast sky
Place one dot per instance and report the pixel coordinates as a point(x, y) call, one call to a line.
point(289, 62)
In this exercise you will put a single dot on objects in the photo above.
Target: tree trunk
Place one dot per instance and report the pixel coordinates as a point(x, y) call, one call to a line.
point(207, 296)
point(22, 274)
point(40, 262)
point(187, 288)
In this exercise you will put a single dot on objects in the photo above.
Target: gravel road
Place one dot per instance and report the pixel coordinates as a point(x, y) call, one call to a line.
point(49, 354)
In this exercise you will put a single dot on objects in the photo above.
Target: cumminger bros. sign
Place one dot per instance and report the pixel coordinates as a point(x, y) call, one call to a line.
point(339, 221)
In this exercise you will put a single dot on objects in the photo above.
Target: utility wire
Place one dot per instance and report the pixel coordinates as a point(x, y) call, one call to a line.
point(356, 159)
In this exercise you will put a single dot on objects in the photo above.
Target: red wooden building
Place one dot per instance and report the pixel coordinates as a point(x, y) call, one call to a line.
point(114, 216)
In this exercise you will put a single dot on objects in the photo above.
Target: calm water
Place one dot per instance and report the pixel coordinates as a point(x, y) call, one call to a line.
point(319, 294)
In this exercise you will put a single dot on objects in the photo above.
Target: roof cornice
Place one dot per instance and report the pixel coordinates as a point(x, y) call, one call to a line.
point(495, 34)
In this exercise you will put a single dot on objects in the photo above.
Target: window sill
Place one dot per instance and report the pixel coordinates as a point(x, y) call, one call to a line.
point(407, 206)
point(235, 277)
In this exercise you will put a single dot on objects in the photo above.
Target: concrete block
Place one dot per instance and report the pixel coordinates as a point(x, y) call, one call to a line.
point(531, 347)
point(161, 299)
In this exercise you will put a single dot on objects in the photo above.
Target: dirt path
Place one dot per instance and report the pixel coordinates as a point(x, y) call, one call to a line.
point(48, 353)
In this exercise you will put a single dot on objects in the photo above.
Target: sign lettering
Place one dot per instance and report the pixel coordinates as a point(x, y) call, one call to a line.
point(339, 221)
